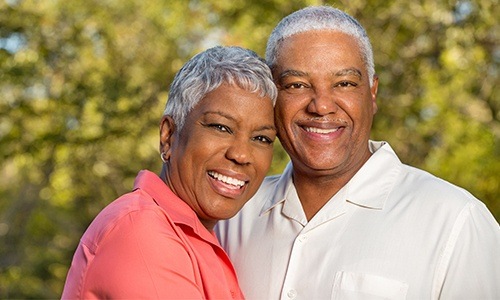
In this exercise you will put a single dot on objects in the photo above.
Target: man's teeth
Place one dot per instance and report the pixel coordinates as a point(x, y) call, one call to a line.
point(226, 179)
point(320, 130)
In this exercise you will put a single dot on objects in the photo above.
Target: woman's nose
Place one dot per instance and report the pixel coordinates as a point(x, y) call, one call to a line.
point(239, 151)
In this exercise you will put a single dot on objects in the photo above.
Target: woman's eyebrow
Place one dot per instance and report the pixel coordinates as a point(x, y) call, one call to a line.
point(266, 128)
point(219, 113)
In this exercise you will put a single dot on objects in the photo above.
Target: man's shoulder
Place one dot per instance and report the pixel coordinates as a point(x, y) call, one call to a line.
point(412, 182)
point(436, 191)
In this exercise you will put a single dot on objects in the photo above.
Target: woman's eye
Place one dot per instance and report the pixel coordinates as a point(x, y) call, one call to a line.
point(264, 139)
point(220, 127)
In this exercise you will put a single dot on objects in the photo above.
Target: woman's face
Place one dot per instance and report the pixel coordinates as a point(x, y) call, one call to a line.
point(220, 157)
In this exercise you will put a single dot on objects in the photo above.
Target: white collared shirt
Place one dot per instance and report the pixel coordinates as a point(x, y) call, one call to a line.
point(392, 232)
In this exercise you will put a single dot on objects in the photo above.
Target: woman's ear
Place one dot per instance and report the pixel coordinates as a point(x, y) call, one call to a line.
point(167, 129)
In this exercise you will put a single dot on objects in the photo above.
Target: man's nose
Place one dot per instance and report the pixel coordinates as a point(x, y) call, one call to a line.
point(322, 102)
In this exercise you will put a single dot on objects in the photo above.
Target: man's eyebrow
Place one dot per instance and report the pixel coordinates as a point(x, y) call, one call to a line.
point(287, 73)
point(343, 72)
point(348, 71)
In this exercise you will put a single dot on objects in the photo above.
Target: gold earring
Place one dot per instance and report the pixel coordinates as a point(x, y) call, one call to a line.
point(162, 155)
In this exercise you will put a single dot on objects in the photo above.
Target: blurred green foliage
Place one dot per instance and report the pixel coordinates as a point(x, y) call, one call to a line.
point(83, 84)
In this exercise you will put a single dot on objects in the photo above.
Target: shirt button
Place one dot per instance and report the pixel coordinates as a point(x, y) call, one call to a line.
point(302, 238)
point(292, 294)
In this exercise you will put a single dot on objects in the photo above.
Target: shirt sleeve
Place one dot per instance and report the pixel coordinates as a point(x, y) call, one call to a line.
point(142, 257)
point(473, 271)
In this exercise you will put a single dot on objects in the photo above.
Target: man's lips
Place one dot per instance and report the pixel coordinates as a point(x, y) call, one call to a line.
point(322, 126)
point(320, 130)
point(323, 130)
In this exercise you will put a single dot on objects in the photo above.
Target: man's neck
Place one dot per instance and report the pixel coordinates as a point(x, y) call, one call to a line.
point(315, 188)
point(314, 193)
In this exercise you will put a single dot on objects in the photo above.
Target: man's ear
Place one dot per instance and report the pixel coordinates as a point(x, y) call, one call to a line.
point(167, 129)
point(373, 92)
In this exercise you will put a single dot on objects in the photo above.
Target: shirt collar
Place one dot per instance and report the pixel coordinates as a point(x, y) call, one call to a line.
point(281, 189)
point(371, 185)
point(177, 209)
point(368, 188)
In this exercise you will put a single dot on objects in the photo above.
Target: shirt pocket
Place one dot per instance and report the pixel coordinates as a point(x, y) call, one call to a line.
point(349, 285)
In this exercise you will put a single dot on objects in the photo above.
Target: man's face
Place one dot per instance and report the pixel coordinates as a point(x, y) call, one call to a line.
point(325, 105)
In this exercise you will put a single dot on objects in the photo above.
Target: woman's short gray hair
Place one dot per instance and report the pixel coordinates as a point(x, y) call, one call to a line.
point(320, 18)
point(209, 69)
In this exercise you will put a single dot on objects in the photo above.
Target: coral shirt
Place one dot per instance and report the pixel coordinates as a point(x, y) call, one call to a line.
point(150, 244)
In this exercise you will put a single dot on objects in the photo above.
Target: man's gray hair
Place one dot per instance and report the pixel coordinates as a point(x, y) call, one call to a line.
point(320, 18)
point(209, 69)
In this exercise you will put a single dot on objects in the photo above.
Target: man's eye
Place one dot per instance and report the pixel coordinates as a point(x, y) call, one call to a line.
point(296, 85)
point(346, 84)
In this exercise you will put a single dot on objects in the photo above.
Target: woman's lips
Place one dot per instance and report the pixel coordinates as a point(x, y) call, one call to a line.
point(225, 185)
point(226, 179)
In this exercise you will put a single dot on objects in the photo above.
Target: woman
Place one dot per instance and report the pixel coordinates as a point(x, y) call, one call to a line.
point(216, 144)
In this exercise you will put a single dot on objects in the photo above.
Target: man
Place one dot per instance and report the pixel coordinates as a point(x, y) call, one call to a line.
point(347, 219)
